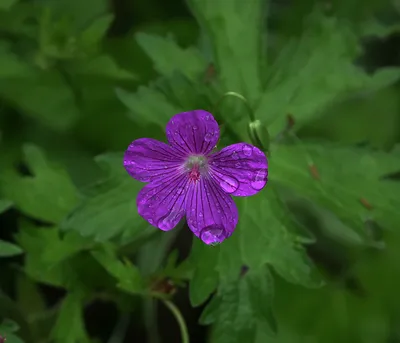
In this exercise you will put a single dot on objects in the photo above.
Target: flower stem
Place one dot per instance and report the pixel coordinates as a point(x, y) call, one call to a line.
point(181, 322)
point(239, 96)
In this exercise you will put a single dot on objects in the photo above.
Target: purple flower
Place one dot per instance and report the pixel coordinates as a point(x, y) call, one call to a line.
point(186, 178)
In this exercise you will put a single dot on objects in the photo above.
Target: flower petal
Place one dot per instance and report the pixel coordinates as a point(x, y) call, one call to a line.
point(240, 169)
point(148, 160)
point(193, 132)
point(211, 213)
point(163, 205)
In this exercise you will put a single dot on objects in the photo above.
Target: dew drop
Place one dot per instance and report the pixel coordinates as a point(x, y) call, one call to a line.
point(200, 214)
point(169, 221)
point(235, 155)
point(247, 150)
point(180, 190)
point(193, 225)
point(259, 180)
point(213, 234)
point(208, 137)
point(228, 184)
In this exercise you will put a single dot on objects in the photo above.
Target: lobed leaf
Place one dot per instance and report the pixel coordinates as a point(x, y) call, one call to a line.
point(8, 249)
point(48, 195)
point(70, 325)
point(5, 205)
point(235, 29)
point(111, 208)
point(349, 178)
point(168, 57)
point(302, 83)
point(127, 275)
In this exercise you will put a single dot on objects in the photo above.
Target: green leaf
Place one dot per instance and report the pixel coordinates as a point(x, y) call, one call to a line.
point(234, 28)
point(233, 324)
point(250, 296)
point(8, 249)
point(11, 65)
point(29, 297)
point(26, 92)
point(303, 84)
point(148, 105)
point(5, 205)
point(81, 11)
point(70, 325)
point(348, 177)
point(102, 66)
point(266, 237)
point(7, 4)
point(48, 195)
point(94, 33)
point(48, 254)
point(210, 312)
point(205, 277)
point(173, 58)
point(261, 293)
point(111, 208)
point(127, 275)
point(8, 328)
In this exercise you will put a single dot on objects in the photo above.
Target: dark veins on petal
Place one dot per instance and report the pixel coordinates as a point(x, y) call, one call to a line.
point(149, 160)
point(194, 132)
point(163, 205)
point(211, 213)
point(241, 169)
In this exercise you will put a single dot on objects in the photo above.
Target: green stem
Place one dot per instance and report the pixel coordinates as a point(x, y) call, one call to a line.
point(119, 332)
point(181, 322)
point(239, 96)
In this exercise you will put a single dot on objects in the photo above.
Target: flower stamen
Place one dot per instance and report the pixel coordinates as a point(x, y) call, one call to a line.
point(196, 166)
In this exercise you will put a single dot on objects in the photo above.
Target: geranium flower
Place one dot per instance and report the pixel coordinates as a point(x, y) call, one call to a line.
point(187, 178)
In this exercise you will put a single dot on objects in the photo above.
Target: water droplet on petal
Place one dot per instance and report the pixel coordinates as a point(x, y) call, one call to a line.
point(180, 190)
point(228, 184)
point(169, 221)
point(235, 155)
point(200, 214)
point(247, 150)
point(193, 225)
point(208, 137)
point(259, 180)
point(213, 234)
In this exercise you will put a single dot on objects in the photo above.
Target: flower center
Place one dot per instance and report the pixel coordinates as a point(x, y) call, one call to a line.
point(196, 165)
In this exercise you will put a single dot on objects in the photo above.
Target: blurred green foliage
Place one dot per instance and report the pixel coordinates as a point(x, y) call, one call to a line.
point(315, 255)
